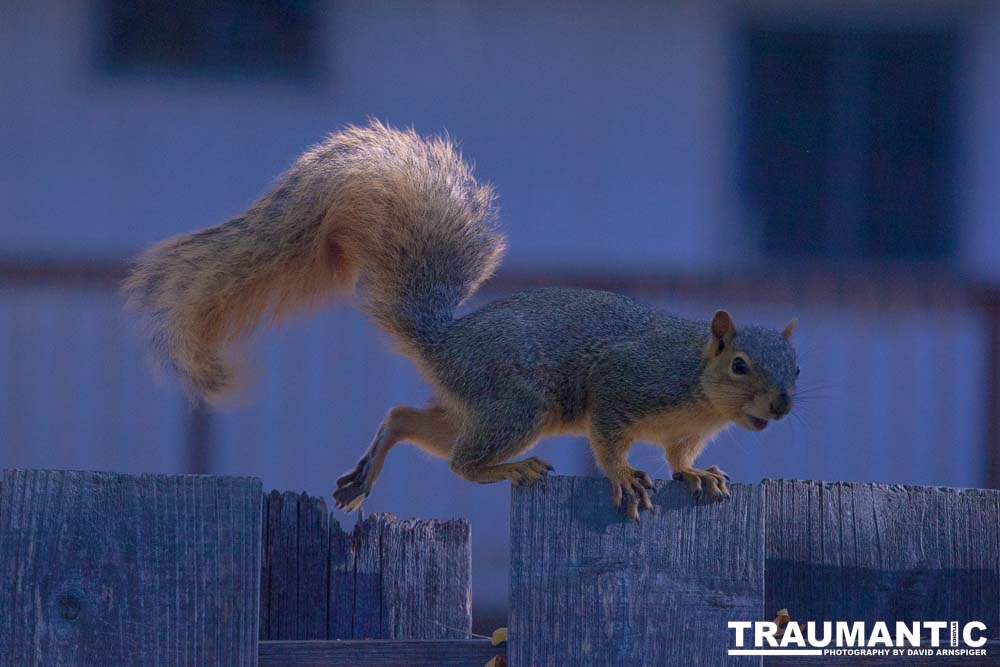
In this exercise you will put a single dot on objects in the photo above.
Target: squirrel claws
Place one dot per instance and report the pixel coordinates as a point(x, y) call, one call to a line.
point(634, 492)
point(710, 483)
point(644, 479)
point(529, 471)
point(349, 498)
point(353, 487)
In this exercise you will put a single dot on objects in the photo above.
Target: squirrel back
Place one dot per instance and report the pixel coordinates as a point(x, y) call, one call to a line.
point(398, 217)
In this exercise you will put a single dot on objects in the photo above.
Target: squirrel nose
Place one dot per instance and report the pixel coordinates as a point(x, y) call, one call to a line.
point(781, 405)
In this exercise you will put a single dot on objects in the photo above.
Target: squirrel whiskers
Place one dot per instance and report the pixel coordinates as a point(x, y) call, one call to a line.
point(401, 220)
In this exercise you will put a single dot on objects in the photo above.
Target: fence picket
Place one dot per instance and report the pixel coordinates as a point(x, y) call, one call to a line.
point(590, 587)
point(114, 569)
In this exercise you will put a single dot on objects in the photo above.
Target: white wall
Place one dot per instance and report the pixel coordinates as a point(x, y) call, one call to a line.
point(608, 130)
point(891, 393)
point(601, 125)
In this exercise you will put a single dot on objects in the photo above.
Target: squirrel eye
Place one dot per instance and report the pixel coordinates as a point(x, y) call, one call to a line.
point(740, 366)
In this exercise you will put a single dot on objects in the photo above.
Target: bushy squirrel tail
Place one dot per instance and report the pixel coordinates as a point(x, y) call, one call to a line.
point(399, 217)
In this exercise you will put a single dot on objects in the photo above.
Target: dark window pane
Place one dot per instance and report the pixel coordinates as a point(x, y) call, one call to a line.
point(848, 146)
point(275, 36)
point(788, 125)
point(909, 208)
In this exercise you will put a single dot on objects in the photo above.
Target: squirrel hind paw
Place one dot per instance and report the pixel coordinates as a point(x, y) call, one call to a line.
point(354, 486)
point(350, 496)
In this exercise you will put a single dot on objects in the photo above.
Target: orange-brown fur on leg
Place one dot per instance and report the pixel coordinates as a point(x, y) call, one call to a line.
point(684, 432)
point(433, 430)
point(710, 482)
point(627, 483)
point(499, 431)
point(403, 219)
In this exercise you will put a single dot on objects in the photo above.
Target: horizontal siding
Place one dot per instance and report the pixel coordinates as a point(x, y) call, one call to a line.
point(75, 388)
point(891, 395)
point(577, 143)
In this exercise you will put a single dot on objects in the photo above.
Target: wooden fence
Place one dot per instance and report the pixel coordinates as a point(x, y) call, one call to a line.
point(104, 568)
point(588, 588)
point(388, 579)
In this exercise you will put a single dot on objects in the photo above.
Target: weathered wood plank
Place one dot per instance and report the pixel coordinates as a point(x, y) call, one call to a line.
point(366, 622)
point(379, 653)
point(589, 587)
point(279, 579)
point(341, 591)
point(263, 629)
point(314, 555)
point(876, 552)
point(112, 569)
point(387, 579)
point(295, 567)
point(412, 579)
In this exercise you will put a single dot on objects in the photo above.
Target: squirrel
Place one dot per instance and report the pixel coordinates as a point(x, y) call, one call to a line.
point(401, 220)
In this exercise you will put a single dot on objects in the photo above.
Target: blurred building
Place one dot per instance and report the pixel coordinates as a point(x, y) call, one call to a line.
point(776, 159)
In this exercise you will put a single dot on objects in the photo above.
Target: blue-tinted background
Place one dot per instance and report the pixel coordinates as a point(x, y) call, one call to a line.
point(774, 159)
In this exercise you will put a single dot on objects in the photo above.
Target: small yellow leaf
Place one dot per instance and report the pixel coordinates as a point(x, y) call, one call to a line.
point(497, 661)
point(781, 619)
point(499, 636)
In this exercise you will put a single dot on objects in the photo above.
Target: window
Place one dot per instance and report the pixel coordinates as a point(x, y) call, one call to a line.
point(848, 143)
point(275, 37)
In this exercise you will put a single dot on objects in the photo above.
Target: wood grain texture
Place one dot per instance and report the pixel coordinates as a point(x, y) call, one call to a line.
point(112, 569)
point(388, 578)
point(295, 567)
point(588, 587)
point(411, 579)
point(341, 589)
point(379, 653)
point(876, 552)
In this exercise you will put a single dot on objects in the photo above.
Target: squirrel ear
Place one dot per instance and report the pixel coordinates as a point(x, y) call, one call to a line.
point(789, 329)
point(723, 330)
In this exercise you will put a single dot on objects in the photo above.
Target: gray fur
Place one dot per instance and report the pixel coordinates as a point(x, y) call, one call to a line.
point(401, 219)
point(555, 352)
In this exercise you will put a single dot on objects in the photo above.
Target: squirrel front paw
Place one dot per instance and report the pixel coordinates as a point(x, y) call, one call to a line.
point(632, 486)
point(710, 483)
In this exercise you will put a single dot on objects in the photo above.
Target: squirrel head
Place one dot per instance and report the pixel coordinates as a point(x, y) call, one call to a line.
point(750, 375)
